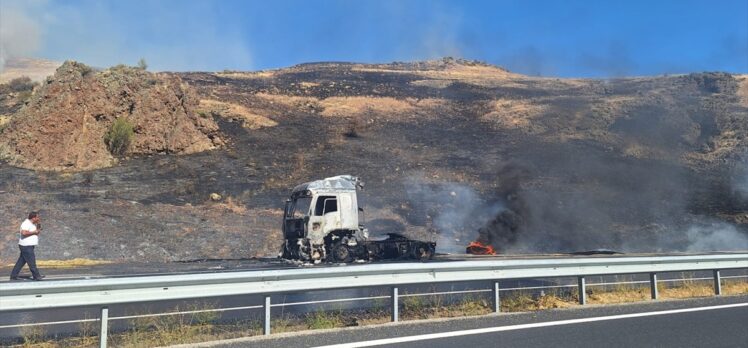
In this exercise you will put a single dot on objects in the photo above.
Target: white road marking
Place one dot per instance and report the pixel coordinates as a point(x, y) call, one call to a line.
point(522, 326)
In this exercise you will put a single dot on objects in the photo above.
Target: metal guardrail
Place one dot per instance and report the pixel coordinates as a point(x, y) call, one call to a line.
point(365, 298)
point(104, 292)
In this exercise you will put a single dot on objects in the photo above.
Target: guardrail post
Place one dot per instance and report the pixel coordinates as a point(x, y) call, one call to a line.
point(582, 290)
point(653, 285)
point(496, 298)
point(104, 323)
point(717, 283)
point(394, 304)
point(266, 316)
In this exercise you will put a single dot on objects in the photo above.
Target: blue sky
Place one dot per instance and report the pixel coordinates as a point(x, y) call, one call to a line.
point(548, 38)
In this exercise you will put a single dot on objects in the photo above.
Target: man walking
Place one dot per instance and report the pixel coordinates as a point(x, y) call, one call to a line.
point(29, 238)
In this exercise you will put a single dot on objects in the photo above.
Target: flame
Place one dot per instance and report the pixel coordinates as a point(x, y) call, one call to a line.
point(478, 248)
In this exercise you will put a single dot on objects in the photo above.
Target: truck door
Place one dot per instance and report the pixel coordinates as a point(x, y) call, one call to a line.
point(319, 221)
point(295, 217)
point(331, 215)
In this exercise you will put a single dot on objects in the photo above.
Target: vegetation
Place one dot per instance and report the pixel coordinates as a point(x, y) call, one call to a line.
point(324, 320)
point(4, 120)
point(119, 137)
point(21, 84)
point(142, 65)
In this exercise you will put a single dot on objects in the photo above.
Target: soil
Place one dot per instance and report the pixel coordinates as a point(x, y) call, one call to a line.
point(446, 148)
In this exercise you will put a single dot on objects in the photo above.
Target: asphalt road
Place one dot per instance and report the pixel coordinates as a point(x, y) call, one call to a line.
point(707, 322)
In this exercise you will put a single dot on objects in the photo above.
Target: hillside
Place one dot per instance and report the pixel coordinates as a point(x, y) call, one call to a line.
point(448, 149)
point(63, 122)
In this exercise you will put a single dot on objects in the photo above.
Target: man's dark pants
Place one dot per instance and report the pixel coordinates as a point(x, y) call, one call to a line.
point(27, 257)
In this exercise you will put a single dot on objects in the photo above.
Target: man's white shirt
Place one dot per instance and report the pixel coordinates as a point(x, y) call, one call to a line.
point(27, 225)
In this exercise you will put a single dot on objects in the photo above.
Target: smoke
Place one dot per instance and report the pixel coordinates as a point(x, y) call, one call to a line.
point(529, 60)
point(20, 35)
point(191, 36)
point(454, 211)
point(574, 201)
point(740, 179)
point(717, 236)
point(615, 61)
point(440, 37)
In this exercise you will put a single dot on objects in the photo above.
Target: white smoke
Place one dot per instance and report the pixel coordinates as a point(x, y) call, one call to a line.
point(455, 211)
point(718, 236)
point(740, 179)
point(20, 35)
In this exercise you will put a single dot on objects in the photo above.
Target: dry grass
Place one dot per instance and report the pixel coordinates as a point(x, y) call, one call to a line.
point(515, 114)
point(686, 289)
point(347, 106)
point(265, 74)
point(691, 289)
point(479, 75)
point(286, 100)
point(379, 108)
point(743, 89)
point(522, 302)
point(233, 205)
point(4, 119)
point(619, 296)
point(250, 120)
point(453, 72)
point(382, 108)
point(431, 307)
point(432, 83)
point(307, 85)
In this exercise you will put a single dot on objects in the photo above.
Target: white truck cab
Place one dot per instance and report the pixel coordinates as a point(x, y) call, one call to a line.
point(321, 222)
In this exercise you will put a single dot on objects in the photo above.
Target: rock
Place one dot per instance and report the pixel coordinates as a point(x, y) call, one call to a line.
point(215, 197)
point(64, 124)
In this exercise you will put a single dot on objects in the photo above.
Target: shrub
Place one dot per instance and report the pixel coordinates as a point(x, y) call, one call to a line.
point(86, 70)
point(119, 137)
point(142, 65)
point(353, 128)
point(21, 84)
point(24, 96)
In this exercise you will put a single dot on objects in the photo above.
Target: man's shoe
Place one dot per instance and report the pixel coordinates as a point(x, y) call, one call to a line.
point(13, 278)
point(40, 277)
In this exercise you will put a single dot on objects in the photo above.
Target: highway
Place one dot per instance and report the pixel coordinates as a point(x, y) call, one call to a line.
point(707, 322)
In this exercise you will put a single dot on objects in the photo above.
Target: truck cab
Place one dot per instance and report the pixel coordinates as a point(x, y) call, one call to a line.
point(320, 217)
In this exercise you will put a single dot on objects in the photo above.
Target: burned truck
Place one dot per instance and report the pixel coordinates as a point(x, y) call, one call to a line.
point(322, 222)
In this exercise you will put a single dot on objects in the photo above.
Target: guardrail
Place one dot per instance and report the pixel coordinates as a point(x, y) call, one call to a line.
point(105, 292)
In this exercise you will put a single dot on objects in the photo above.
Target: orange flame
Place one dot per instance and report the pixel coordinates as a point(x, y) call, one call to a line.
point(478, 248)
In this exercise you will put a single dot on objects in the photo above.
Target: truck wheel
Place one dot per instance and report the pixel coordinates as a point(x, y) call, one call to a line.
point(421, 252)
point(340, 253)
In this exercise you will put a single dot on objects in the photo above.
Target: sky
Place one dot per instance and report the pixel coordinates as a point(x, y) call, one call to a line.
point(572, 38)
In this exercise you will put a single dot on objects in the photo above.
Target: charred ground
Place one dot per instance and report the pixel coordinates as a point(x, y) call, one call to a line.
point(447, 148)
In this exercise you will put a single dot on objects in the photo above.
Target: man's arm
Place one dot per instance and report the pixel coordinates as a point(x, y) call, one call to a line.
point(26, 233)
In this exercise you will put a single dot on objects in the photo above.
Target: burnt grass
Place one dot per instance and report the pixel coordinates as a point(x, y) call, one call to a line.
point(575, 193)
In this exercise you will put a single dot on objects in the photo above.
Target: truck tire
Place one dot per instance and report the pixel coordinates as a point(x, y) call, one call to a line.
point(421, 251)
point(341, 253)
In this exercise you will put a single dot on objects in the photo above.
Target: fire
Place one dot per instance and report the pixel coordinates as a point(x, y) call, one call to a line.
point(478, 248)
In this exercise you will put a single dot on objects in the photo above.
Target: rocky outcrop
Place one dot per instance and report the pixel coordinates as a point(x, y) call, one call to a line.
point(63, 126)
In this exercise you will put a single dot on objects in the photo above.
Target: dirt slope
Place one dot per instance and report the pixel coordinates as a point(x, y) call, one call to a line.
point(450, 150)
point(62, 127)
